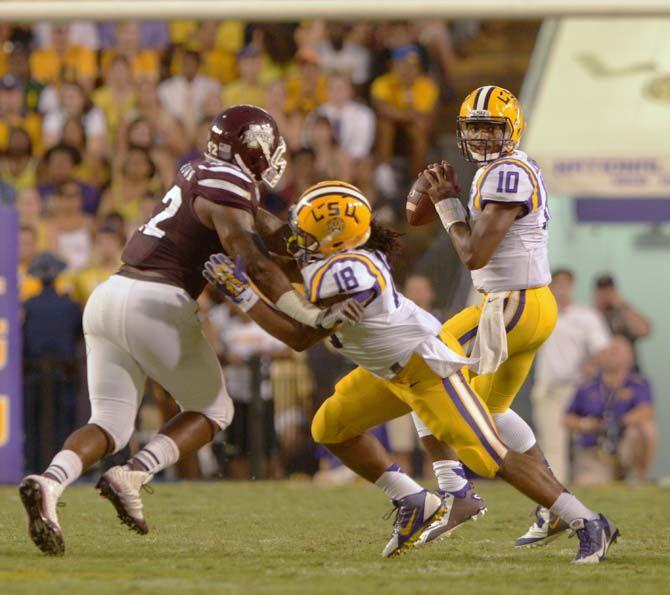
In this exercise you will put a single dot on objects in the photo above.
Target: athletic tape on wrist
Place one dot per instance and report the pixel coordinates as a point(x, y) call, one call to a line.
point(451, 211)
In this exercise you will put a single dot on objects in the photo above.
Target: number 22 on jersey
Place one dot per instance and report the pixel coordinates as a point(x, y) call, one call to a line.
point(173, 201)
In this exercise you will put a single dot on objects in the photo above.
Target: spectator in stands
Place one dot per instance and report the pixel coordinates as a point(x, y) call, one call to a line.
point(339, 52)
point(105, 261)
point(581, 334)
point(63, 61)
point(613, 420)
point(166, 128)
point(435, 37)
point(183, 95)
point(116, 97)
point(28, 286)
point(247, 351)
point(405, 100)
point(51, 333)
point(248, 88)
point(419, 289)
point(59, 163)
point(353, 122)
point(18, 66)
point(307, 88)
point(141, 133)
point(13, 114)
point(134, 178)
point(218, 61)
point(93, 168)
point(622, 318)
point(69, 226)
point(29, 206)
point(17, 166)
point(330, 161)
point(74, 103)
point(290, 124)
point(303, 169)
point(144, 62)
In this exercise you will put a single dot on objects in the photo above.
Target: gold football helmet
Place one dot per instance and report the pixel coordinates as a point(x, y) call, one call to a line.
point(501, 111)
point(329, 217)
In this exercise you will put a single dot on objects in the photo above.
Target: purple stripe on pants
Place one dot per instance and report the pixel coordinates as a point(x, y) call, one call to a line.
point(453, 395)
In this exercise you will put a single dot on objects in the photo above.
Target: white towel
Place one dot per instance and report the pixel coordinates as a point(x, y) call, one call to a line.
point(490, 346)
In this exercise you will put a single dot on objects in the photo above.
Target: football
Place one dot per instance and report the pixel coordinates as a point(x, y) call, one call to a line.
point(419, 208)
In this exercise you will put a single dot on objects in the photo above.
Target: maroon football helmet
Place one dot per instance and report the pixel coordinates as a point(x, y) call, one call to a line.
point(248, 136)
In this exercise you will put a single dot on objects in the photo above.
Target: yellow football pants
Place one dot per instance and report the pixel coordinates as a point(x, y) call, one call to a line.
point(449, 407)
point(530, 318)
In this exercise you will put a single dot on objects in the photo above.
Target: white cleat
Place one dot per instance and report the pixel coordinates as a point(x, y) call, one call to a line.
point(39, 496)
point(546, 528)
point(121, 486)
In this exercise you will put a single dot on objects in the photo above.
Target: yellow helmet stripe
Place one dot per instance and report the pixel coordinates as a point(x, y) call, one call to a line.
point(370, 265)
point(319, 190)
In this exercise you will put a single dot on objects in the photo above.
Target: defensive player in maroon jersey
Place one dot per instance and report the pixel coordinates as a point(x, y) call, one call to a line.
point(142, 321)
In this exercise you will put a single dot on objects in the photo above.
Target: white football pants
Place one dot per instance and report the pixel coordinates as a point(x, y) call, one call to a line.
point(136, 329)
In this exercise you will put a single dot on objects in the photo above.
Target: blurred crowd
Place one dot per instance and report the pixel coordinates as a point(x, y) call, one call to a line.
point(96, 118)
point(592, 403)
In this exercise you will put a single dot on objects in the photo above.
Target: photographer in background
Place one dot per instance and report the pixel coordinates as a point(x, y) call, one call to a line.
point(613, 420)
point(622, 318)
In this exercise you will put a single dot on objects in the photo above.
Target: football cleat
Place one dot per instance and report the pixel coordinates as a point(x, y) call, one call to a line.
point(414, 513)
point(39, 496)
point(462, 506)
point(121, 485)
point(546, 528)
point(595, 539)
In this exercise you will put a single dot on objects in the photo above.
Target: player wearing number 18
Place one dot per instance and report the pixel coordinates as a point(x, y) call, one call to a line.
point(142, 321)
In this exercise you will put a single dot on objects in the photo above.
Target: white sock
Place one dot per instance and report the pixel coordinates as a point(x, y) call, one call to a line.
point(65, 467)
point(160, 452)
point(569, 509)
point(396, 484)
point(514, 431)
point(450, 475)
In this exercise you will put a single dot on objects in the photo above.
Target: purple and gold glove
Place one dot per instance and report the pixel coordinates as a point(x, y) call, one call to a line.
point(230, 278)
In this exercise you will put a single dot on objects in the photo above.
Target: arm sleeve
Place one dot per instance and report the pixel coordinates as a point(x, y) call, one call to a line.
point(346, 275)
point(507, 181)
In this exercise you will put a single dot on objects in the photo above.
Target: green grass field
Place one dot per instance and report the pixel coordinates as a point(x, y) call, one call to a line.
point(294, 538)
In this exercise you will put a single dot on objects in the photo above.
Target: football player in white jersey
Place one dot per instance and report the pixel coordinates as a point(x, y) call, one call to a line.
point(406, 362)
point(502, 239)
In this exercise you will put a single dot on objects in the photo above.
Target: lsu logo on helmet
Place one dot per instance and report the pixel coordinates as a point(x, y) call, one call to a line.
point(494, 106)
point(330, 217)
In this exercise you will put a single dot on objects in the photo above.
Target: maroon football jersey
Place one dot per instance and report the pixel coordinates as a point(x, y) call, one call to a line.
point(173, 241)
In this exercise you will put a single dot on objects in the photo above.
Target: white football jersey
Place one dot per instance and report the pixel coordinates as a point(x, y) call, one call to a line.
point(392, 328)
point(521, 260)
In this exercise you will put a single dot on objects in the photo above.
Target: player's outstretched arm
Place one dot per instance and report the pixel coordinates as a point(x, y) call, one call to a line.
point(231, 280)
point(238, 234)
point(476, 245)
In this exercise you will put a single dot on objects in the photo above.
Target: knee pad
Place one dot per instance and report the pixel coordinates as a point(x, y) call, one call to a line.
point(221, 411)
point(514, 431)
point(119, 425)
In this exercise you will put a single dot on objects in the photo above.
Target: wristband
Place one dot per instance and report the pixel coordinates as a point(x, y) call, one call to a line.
point(294, 305)
point(246, 300)
point(451, 211)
